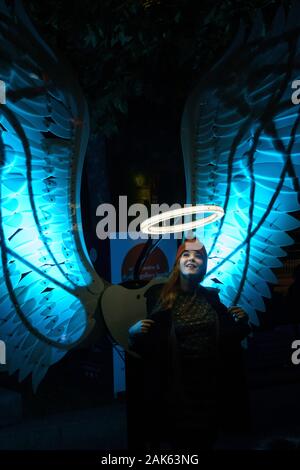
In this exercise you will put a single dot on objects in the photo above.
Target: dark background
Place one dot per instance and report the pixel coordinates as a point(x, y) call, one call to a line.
point(137, 62)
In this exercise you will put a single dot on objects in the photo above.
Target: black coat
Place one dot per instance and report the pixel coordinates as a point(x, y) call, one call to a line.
point(161, 367)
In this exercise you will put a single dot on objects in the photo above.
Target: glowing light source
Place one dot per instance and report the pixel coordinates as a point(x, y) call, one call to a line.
point(148, 226)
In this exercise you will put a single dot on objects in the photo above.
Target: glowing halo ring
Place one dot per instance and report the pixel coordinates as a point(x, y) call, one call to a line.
point(147, 226)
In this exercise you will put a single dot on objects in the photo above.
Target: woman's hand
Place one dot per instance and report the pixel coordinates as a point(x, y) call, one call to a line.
point(142, 326)
point(238, 313)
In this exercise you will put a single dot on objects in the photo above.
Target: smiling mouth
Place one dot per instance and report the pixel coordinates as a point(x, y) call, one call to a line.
point(189, 265)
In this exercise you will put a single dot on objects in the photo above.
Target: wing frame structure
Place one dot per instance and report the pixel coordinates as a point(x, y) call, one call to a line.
point(49, 290)
point(240, 137)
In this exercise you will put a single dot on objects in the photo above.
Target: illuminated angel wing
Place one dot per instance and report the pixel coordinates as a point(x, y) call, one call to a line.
point(48, 289)
point(240, 138)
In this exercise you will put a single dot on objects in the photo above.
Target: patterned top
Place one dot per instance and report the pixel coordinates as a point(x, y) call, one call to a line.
point(195, 328)
point(195, 325)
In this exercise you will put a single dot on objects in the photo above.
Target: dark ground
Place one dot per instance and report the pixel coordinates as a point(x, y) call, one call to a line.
point(274, 385)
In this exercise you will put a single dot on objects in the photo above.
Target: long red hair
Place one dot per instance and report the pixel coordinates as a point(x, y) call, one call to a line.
point(172, 286)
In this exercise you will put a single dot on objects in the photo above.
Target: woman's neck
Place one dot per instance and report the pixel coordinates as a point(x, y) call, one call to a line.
point(188, 285)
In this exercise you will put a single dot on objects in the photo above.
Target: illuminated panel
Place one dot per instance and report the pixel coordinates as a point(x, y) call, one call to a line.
point(46, 299)
point(241, 144)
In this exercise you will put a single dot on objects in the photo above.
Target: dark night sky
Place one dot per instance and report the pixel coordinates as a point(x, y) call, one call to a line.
point(137, 62)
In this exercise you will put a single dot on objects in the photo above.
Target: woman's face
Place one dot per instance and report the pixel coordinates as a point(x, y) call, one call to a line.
point(192, 264)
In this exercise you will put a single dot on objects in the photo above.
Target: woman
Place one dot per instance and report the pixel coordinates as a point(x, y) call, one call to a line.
point(190, 345)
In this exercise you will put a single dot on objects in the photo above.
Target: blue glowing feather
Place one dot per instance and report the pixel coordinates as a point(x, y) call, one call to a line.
point(240, 138)
point(48, 289)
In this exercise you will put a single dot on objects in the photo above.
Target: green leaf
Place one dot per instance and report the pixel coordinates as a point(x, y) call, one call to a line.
point(124, 39)
point(100, 31)
point(177, 17)
point(90, 38)
point(121, 105)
